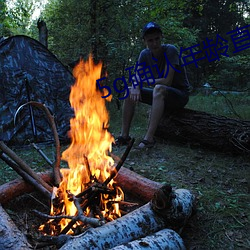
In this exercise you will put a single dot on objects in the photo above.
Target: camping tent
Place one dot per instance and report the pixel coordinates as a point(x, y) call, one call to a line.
point(30, 72)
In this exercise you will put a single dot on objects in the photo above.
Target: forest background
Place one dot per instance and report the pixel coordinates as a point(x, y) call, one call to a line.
point(111, 31)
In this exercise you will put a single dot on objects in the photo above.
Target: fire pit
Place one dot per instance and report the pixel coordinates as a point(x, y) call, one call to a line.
point(86, 198)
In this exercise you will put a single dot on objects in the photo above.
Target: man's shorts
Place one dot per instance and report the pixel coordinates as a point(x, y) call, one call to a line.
point(174, 100)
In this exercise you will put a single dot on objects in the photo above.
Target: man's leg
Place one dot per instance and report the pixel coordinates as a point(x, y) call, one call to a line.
point(164, 99)
point(156, 112)
point(127, 116)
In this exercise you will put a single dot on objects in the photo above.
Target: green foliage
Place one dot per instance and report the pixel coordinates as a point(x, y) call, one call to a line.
point(232, 73)
point(111, 31)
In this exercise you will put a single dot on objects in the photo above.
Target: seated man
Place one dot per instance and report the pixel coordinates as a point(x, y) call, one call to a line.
point(170, 89)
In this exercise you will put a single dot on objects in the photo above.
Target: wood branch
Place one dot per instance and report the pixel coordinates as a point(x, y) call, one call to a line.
point(120, 163)
point(23, 165)
point(18, 187)
point(10, 237)
point(26, 176)
point(57, 173)
point(212, 131)
point(163, 239)
point(148, 219)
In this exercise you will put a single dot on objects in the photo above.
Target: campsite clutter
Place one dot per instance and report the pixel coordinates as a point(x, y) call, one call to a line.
point(30, 72)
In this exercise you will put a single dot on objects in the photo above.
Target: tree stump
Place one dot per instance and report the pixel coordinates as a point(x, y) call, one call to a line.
point(212, 131)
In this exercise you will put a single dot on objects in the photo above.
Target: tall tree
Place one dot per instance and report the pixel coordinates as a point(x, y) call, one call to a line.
point(212, 18)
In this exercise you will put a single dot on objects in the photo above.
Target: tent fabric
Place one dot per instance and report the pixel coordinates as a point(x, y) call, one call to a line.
point(30, 72)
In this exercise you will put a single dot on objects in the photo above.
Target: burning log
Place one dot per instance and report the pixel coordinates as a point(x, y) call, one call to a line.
point(163, 239)
point(165, 210)
point(216, 132)
point(10, 237)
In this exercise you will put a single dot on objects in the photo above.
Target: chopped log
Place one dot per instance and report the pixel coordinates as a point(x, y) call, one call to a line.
point(150, 218)
point(163, 239)
point(10, 237)
point(212, 131)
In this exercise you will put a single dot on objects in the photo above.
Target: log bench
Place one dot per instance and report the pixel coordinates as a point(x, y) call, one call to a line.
point(211, 131)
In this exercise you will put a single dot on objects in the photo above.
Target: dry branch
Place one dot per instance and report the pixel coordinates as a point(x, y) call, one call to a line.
point(57, 174)
point(18, 187)
point(132, 183)
point(25, 176)
point(23, 165)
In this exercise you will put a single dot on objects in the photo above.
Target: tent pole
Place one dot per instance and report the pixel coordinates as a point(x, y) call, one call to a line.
point(33, 125)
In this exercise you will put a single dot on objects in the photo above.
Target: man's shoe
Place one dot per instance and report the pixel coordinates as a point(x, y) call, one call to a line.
point(121, 141)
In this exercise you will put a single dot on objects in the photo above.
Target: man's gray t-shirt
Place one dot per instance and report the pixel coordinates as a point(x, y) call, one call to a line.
point(180, 80)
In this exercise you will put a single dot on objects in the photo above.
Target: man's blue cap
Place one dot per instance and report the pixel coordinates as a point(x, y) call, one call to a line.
point(150, 26)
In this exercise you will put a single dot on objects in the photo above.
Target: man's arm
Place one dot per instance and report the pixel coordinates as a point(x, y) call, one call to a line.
point(164, 81)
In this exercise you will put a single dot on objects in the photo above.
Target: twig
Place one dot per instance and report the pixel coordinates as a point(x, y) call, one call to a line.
point(42, 154)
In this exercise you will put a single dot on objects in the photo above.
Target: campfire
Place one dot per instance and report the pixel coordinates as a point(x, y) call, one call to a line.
point(87, 198)
point(87, 189)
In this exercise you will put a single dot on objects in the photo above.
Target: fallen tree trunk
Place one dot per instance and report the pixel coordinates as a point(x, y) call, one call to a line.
point(212, 131)
point(163, 239)
point(150, 218)
point(10, 237)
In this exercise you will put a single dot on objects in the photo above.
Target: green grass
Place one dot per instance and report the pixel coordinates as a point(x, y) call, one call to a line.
point(233, 106)
point(220, 181)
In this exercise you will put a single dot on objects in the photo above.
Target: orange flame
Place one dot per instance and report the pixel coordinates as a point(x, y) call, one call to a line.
point(88, 154)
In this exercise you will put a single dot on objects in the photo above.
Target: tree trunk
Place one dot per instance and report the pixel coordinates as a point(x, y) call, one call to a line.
point(10, 237)
point(212, 131)
point(43, 32)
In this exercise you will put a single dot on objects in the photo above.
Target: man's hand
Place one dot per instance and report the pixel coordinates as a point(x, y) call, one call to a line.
point(135, 94)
